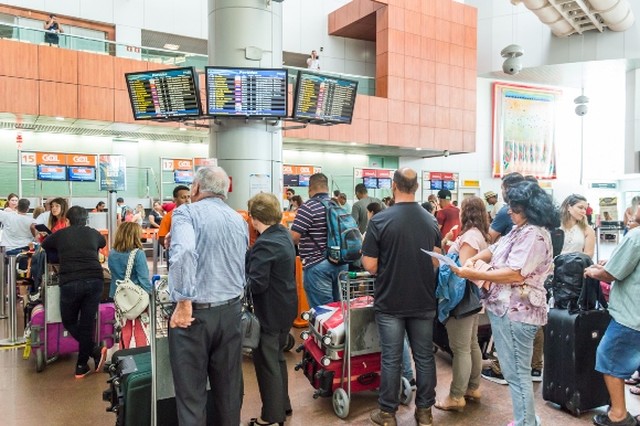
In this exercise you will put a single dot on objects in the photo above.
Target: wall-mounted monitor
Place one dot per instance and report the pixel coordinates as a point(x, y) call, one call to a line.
point(81, 174)
point(303, 180)
point(436, 185)
point(291, 180)
point(449, 184)
point(384, 183)
point(184, 177)
point(324, 98)
point(57, 173)
point(370, 182)
point(166, 93)
point(246, 92)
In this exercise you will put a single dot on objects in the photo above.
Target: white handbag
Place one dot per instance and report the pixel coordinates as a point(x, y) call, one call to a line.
point(130, 299)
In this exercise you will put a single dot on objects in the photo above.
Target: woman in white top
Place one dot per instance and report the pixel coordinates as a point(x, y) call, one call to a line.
point(578, 235)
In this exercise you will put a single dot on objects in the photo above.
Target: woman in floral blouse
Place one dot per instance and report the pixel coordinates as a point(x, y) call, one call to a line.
point(512, 273)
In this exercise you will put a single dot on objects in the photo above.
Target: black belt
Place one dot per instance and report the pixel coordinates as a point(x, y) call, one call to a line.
point(214, 304)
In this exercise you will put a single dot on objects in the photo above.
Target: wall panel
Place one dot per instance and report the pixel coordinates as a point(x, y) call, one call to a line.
point(58, 99)
point(95, 103)
point(19, 95)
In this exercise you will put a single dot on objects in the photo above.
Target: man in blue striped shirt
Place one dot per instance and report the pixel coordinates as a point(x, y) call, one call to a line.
point(309, 230)
point(209, 241)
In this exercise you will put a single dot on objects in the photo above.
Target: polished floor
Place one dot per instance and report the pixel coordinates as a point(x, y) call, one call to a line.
point(55, 397)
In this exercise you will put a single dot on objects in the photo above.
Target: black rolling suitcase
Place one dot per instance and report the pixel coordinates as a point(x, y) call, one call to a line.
point(570, 343)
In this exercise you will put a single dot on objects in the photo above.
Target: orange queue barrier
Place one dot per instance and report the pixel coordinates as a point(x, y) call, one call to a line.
point(303, 305)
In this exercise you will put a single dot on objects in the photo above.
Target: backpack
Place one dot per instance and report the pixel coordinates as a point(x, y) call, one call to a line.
point(344, 240)
point(571, 289)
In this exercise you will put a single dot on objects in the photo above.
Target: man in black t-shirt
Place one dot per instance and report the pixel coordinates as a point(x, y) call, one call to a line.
point(81, 283)
point(404, 298)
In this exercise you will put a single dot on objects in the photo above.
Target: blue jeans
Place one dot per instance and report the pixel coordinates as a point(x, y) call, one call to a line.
point(407, 370)
point(321, 283)
point(514, 344)
point(419, 329)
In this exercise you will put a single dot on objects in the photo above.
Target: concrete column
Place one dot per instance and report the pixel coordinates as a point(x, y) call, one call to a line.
point(246, 147)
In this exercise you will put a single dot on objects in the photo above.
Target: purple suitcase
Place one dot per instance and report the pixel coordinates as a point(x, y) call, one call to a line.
point(59, 341)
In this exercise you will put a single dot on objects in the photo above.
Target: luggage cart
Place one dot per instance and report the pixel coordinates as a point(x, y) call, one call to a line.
point(361, 337)
point(347, 358)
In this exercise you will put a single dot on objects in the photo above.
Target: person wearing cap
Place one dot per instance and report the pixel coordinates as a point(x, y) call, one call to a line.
point(448, 218)
point(492, 204)
point(502, 224)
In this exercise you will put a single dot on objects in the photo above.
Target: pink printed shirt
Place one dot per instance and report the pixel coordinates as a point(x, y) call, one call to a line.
point(527, 249)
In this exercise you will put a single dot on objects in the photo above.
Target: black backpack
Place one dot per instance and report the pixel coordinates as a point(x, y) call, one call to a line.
point(570, 289)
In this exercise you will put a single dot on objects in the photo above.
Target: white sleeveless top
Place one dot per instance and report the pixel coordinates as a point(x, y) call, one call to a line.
point(573, 240)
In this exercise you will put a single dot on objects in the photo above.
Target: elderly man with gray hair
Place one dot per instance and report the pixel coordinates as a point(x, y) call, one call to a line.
point(206, 280)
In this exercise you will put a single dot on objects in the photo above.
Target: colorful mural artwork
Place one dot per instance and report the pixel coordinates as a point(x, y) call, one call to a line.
point(524, 130)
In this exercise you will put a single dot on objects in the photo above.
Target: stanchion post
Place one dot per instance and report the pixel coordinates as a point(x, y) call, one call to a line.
point(3, 284)
point(156, 248)
point(13, 319)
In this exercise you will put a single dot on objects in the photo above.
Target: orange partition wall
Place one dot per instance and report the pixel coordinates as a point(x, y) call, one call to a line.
point(49, 81)
point(426, 70)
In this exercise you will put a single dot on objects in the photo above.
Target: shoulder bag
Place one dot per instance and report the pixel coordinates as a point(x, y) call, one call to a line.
point(470, 303)
point(249, 323)
point(130, 299)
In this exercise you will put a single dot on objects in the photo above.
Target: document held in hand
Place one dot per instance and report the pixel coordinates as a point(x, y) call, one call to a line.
point(441, 258)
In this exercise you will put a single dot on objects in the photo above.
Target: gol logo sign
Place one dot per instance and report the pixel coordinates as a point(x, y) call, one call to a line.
point(184, 165)
point(81, 160)
point(49, 158)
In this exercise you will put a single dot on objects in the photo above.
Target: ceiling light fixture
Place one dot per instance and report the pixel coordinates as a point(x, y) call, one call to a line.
point(60, 118)
point(170, 46)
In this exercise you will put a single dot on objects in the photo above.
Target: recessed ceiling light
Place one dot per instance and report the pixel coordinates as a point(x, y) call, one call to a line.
point(60, 118)
point(418, 149)
point(170, 46)
point(353, 144)
point(183, 129)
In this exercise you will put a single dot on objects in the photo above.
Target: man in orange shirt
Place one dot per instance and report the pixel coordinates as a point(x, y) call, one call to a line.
point(181, 195)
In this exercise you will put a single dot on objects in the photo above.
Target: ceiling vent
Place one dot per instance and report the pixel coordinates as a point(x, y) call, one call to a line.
point(566, 17)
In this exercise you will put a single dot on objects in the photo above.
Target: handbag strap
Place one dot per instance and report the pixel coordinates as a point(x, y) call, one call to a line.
point(132, 258)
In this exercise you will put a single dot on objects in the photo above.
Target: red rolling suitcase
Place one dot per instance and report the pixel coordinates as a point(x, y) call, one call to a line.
point(325, 376)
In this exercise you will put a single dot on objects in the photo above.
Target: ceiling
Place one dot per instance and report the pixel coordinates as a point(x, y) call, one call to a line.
point(80, 127)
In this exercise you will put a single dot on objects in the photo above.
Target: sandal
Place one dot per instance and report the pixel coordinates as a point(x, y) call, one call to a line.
point(635, 390)
point(256, 422)
point(632, 381)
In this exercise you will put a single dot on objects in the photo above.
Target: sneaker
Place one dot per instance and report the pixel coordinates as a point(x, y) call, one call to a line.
point(383, 418)
point(99, 357)
point(82, 370)
point(494, 377)
point(424, 416)
point(536, 375)
point(412, 382)
point(604, 420)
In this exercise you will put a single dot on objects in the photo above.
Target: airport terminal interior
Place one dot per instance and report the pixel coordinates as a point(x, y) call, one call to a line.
point(129, 98)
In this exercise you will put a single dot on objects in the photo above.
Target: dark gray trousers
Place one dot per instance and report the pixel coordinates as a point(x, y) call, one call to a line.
point(271, 372)
point(211, 347)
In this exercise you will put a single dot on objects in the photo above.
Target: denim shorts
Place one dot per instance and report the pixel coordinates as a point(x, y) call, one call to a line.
point(618, 353)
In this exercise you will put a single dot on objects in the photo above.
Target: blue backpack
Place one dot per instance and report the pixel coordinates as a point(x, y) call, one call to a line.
point(344, 240)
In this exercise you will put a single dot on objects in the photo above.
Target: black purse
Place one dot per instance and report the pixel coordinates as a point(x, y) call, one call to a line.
point(249, 323)
point(470, 303)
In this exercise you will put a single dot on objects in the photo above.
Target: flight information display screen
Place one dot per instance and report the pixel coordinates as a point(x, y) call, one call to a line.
point(246, 92)
point(324, 98)
point(164, 93)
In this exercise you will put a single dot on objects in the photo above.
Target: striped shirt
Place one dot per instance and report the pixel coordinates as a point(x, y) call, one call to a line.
point(311, 224)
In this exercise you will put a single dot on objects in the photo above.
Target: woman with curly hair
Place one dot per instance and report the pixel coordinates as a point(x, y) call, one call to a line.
point(463, 332)
point(578, 235)
point(512, 273)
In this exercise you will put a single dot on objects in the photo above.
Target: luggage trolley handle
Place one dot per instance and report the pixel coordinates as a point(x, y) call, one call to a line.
point(153, 348)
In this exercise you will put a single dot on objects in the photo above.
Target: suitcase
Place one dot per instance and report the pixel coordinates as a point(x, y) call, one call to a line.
point(129, 391)
point(365, 370)
point(59, 341)
point(570, 343)
point(326, 326)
